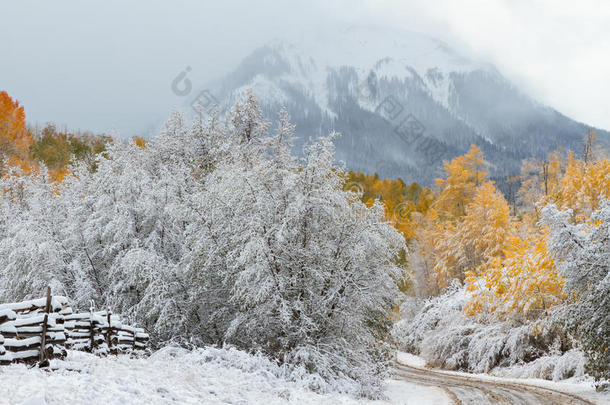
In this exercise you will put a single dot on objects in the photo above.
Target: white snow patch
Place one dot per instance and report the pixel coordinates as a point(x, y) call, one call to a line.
point(410, 359)
point(35, 401)
point(402, 393)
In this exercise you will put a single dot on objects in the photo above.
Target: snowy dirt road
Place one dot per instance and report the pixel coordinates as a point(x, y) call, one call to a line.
point(465, 390)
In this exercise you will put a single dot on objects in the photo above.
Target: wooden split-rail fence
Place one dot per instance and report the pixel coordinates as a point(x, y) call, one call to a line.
point(43, 329)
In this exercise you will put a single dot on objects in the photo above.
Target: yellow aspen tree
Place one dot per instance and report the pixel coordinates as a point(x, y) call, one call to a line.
point(523, 280)
point(540, 182)
point(572, 191)
point(486, 224)
point(444, 238)
point(463, 175)
point(597, 182)
point(551, 171)
point(479, 237)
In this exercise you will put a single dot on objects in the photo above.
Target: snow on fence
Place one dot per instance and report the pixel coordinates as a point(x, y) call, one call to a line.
point(102, 333)
point(43, 329)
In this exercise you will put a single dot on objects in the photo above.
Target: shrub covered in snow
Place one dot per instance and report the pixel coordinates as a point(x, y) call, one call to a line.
point(553, 367)
point(445, 337)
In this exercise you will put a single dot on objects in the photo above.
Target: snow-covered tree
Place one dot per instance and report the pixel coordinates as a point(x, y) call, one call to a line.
point(31, 253)
point(115, 236)
point(582, 253)
point(308, 269)
point(215, 233)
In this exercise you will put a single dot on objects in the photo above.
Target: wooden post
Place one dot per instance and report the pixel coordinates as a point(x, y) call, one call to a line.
point(109, 332)
point(91, 330)
point(92, 333)
point(43, 338)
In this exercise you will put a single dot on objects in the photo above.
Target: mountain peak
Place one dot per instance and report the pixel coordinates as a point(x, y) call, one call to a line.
point(403, 101)
point(363, 46)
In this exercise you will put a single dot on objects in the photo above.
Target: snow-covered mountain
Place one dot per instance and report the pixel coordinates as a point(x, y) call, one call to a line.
point(403, 102)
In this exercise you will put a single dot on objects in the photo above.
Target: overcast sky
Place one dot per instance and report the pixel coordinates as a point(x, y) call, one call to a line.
point(109, 65)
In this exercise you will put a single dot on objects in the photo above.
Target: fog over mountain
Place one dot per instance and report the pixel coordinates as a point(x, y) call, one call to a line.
point(403, 102)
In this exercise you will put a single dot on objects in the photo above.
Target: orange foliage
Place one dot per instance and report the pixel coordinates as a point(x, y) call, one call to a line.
point(400, 201)
point(15, 140)
point(139, 141)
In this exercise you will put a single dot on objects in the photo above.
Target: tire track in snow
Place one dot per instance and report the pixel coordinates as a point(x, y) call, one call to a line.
point(466, 390)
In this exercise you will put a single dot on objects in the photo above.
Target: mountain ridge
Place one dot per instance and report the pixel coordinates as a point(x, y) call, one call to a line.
point(402, 105)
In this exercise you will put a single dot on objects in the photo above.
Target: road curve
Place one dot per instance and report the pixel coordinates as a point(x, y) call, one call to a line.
point(466, 390)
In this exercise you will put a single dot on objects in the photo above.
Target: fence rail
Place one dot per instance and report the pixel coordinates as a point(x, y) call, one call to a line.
point(43, 329)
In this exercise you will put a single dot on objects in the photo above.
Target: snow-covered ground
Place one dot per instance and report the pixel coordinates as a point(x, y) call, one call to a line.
point(176, 376)
point(211, 376)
